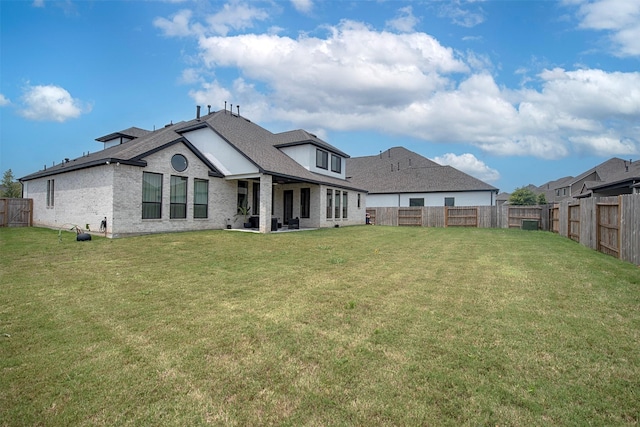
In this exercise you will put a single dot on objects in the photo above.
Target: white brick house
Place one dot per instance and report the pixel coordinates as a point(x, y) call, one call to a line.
point(194, 175)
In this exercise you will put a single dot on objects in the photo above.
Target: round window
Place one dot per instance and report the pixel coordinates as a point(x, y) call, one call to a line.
point(179, 162)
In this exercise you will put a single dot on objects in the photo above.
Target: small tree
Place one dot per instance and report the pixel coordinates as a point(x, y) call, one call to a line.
point(12, 190)
point(523, 196)
point(542, 199)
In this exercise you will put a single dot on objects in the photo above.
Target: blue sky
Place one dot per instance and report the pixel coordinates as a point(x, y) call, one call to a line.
point(512, 92)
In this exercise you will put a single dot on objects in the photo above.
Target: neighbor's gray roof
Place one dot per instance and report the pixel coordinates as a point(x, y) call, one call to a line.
point(254, 142)
point(399, 170)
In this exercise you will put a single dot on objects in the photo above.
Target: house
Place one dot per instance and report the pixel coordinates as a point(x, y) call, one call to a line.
point(610, 178)
point(197, 175)
point(399, 177)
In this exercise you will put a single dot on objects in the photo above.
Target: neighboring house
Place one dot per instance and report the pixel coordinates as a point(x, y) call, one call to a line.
point(400, 177)
point(610, 178)
point(195, 175)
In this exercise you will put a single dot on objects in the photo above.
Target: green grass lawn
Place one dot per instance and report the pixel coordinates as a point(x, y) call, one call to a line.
point(350, 326)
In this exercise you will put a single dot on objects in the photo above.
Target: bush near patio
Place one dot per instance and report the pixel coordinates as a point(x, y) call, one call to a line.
point(350, 326)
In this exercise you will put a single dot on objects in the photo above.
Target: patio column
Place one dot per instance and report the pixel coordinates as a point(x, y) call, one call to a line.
point(266, 190)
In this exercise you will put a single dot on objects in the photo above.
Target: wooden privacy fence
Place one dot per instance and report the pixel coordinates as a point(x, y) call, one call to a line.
point(16, 212)
point(610, 225)
point(435, 216)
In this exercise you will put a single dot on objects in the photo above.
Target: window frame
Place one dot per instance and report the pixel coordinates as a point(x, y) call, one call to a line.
point(305, 202)
point(336, 204)
point(157, 204)
point(336, 166)
point(50, 193)
point(174, 206)
point(450, 201)
point(329, 204)
point(414, 200)
point(198, 207)
point(345, 202)
point(179, 158)
point(322, 159)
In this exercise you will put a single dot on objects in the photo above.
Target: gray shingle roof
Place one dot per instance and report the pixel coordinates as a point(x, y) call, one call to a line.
point(260, 146)
point(399, 170)
point(132, 132)
point(130, 152)
point(254, 142)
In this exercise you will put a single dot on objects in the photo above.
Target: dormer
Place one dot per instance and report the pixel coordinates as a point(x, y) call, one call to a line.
point(313, 154)
point(121, 137)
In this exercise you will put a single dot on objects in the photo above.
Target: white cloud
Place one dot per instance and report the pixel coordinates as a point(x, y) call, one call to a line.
point(353, 68)
point(302, 6)
point(620, 18)
point(51, 103)
point(232, 16)
point(462, 14)
point(4, 101)
point(469, 164)
point(357, 78)
point(404, 22)
point(178, 26)
point(235, 16)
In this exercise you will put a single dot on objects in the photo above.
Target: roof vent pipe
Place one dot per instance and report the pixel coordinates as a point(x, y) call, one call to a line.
point(209, 109)
point(198, 112)
point(231, 109)
point(238, 107)
point(225, 107)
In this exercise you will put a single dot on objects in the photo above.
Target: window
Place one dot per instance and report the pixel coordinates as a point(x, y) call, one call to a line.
point(179, 163)
point(256, 198)
point(336, 163)
point(449, 201)
point(178, 197)
point(329, 204)
point(305, 202)
point(151, 195)
point(322, 159)
point(337, 204)
point(200, 198)
point(243, 196)
point(416, 202)
point(359, 205)
point(344, 204)
point(50, 190)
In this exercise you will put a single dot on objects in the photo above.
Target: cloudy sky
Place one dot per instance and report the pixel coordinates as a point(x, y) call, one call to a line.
point(512, 92)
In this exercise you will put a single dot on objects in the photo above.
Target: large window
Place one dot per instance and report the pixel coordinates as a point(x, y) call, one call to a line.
point(337, 204)
point(449, 201)
point(336, 163)
point(359, 201)
point(329, 204)
point(345, 198)
point(305, 202)
point(322, 159)
point(151, 195)
point(50, 190)
point(200, 198)
point(178, 197)
point(416, 202)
